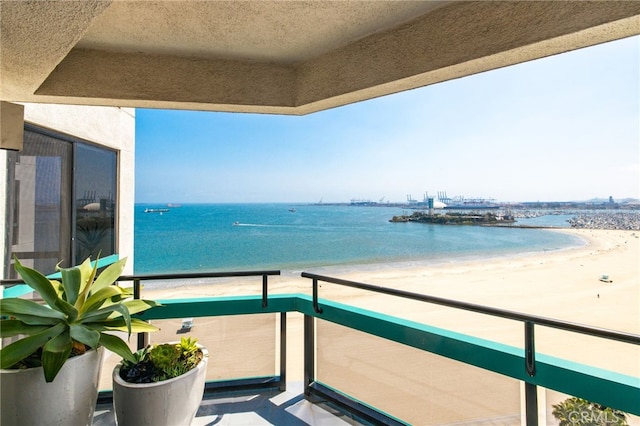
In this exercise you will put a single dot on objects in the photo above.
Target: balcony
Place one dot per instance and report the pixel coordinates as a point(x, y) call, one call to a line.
point(294, 358)
point(355, 366)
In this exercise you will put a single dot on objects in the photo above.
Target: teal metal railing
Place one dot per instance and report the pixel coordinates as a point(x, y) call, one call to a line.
point(608, 388)
point(605, 387)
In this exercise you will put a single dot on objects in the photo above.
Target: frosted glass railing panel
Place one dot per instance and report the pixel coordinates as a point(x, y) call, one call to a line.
point(414, 386)
point(181, 288)
point(611, 355)
point(476, 324)
point(240, 346)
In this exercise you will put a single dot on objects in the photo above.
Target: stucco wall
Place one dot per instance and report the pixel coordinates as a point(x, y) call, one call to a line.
point(3, 211)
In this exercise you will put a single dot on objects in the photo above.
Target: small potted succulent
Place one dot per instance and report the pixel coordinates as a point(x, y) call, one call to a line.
point(50, 373)
point(163, 386)
point(576, 411)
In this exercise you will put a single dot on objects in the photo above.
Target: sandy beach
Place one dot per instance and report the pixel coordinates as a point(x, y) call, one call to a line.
point(563, 284)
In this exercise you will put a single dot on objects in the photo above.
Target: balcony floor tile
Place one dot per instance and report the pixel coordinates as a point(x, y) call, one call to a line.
point(256, 409)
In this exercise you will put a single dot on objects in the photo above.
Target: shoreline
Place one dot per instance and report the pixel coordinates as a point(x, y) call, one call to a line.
point(445, 260)
point(442, 259)
point(562, 284)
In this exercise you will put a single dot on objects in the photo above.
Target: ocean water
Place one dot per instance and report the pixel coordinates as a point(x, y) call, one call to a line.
point(238, 237)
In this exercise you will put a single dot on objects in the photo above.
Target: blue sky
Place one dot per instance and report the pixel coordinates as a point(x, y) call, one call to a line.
point(561, 128)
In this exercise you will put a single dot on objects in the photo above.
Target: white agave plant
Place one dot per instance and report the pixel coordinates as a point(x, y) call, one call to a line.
point(83, 307)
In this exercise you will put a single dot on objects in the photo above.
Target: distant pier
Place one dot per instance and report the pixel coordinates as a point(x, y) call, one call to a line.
point(488, 218)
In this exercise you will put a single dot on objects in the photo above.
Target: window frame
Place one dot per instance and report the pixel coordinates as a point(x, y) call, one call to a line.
point(71, 170)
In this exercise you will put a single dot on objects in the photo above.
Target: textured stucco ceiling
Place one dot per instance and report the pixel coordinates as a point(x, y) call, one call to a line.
point(291, 57)
point(252, 31)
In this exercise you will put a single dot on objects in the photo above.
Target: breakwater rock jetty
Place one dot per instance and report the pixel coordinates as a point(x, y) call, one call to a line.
point(488, 218)
point(627, 220)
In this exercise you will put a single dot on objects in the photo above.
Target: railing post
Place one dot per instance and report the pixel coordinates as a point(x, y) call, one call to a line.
point(530, 348)
point(143, 338)
point(530, 390)
point(309, 353)
point(316, 308)
point(283, 352)
point(265, 301)
point(531, 403)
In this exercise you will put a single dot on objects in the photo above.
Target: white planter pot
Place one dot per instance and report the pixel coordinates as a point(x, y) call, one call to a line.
point(69, 400)
point(171, 402)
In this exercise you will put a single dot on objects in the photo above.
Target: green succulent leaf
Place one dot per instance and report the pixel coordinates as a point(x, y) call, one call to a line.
point(119, 324)
point(89, 272)
point(139, 305)
point(188, 345)
point(38, 282)
point(109, 275)
point(105, 313)
point(125, 315)
point(38, 320)
point(165, 355)
point(61, 310)
point(16, 307)
point(87, 275)
point(71, 279)
point(57, 286)
point(68, 309)
point(22, 348)
point(128, 291)
point(10, 328)
point(140, 326)
point(54, 354)
point(97, 299)
point(84, 334)
point(117, 345)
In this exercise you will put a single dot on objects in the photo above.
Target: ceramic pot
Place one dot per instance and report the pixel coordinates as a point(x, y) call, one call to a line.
point(26, 399)
point(171, 402)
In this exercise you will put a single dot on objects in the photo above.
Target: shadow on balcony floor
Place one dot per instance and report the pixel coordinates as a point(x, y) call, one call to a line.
point(256, 408)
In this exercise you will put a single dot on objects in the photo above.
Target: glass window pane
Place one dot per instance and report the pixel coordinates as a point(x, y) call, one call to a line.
point(40, 214)
point(95, 189)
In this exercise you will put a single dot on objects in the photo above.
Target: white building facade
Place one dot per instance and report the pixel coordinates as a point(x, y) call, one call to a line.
point(68, 190)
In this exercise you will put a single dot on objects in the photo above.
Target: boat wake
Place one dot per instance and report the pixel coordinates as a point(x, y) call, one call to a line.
point(266, 225)
point(260, 225)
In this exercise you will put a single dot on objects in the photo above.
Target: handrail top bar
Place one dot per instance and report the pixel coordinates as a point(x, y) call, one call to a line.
point(621, 336)
point(10, 282)
point(145, 277)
